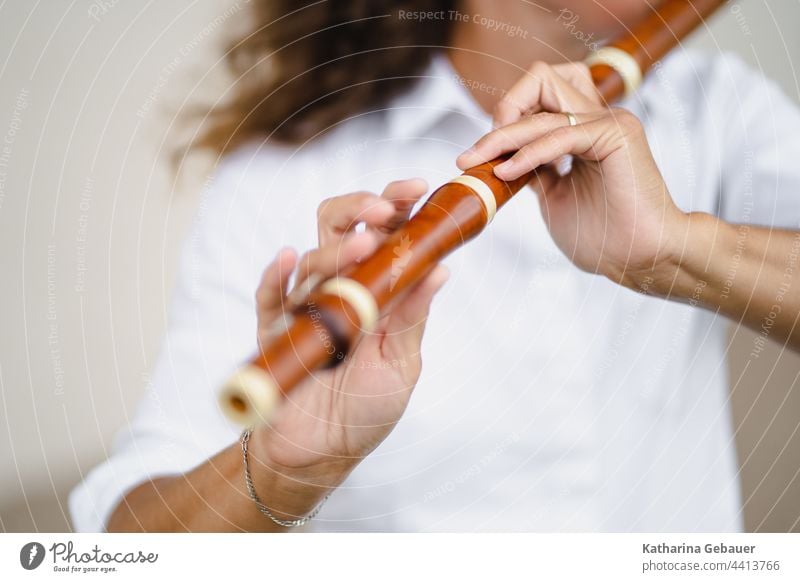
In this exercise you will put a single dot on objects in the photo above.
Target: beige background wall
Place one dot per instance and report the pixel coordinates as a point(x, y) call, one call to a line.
point(90, 223)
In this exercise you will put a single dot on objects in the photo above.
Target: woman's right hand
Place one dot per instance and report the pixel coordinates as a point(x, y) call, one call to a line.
point(337, 416)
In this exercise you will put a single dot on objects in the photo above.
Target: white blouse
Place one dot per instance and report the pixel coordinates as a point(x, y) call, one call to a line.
point(550, 399)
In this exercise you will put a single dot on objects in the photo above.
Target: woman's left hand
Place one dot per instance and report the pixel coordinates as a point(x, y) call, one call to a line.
point(612, 213)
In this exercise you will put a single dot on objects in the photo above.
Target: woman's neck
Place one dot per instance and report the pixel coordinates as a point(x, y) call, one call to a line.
point(494, 43)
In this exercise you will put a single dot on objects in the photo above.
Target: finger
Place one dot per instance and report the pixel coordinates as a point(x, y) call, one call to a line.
point(325, 262)
point(594, 140)
point(272, 289)
point(510, 138)
point(403, 194)
point(543, 88)
point(406, 322)
point(579, 76)
point(339, 215)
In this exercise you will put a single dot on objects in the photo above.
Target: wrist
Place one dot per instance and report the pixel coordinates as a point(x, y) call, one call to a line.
point(683, 258)
point(291, 490)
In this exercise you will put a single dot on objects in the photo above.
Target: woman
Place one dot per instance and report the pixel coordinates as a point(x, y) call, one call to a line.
point(554, 397)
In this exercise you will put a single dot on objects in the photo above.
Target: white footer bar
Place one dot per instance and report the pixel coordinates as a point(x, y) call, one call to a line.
point(388, 557)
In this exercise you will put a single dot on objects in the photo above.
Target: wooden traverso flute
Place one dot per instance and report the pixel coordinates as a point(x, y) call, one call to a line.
point(320, 332)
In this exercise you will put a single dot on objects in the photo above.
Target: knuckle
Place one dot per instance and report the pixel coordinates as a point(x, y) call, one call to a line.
point(627, 122)
point(540, 69)
point(357, 198)
point(356, 203)
point(499, 107)
point(506, 104)
point(307, 259)
point(543, 121)
point(556, 138)
point(583, 71)
point(323, 207)
point(549, 119)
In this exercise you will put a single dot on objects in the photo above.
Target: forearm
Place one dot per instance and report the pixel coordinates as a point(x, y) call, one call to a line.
point(751, 274)
point(214, 497)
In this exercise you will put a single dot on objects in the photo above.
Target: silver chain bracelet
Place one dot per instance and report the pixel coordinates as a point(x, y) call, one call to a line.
point(248, 479)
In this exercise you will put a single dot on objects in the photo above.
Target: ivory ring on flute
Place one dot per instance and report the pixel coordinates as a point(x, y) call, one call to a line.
point(356, 296)
point(482, 191)
point(623, 63)
point(250, 396)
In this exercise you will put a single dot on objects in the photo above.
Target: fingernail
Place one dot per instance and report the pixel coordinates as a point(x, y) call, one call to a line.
point(278, 258)
point(504, 168)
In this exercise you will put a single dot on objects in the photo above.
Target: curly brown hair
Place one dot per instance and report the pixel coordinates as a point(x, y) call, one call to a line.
point(305, 66)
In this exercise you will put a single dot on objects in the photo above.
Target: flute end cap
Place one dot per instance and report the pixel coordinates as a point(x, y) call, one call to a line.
point(249, 397)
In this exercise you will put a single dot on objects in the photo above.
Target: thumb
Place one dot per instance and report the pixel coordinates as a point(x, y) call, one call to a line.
point(544, 178)
point(406, 322)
